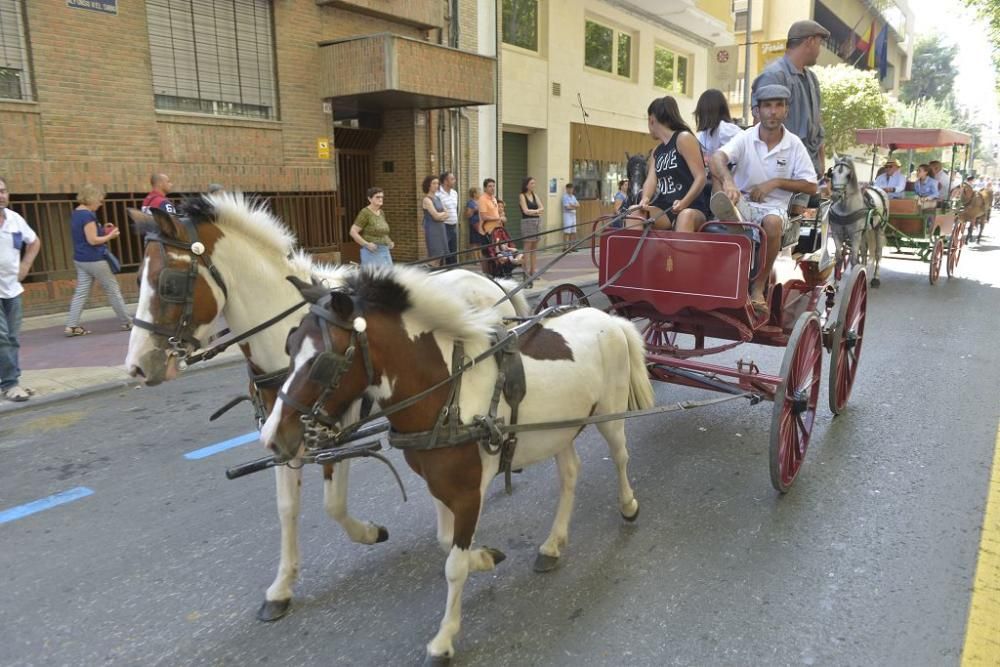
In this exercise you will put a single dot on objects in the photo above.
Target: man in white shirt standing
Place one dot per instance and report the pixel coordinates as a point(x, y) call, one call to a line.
point(771, 165)
point(15, 235)
point(449, 197)
point(891, 181)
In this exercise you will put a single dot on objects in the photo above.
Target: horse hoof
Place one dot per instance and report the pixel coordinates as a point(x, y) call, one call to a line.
point(497, 555)
point(272, 610)
point(631, 519)
point(545, 563)
point(876, 283)
point(437, 661)
point(383, 535)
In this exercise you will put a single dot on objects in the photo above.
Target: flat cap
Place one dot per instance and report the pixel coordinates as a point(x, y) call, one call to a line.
point(803, 29)
point(773, 91)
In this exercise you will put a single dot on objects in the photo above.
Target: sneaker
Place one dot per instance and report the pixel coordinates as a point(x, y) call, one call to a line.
point(723, 208)
point(17, 394)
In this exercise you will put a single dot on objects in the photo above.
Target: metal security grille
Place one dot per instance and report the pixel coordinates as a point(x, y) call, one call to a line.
point(213, 56)
point(15, 74)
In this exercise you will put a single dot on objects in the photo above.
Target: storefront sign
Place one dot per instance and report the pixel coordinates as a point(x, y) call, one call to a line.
point(768, 52)
point(103, 6)
point(323, 148)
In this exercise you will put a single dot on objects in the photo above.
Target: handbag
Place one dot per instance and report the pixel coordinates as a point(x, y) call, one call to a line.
point(113, 262)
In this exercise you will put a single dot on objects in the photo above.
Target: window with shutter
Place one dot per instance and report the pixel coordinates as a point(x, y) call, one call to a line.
point(15, 74)
point(213, 56)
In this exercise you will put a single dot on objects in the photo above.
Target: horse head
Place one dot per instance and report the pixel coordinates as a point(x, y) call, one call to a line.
point(181, 293)
point(635, 168)
point(843, 178)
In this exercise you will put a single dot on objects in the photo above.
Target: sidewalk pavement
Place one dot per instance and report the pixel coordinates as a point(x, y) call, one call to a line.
point(59, 368)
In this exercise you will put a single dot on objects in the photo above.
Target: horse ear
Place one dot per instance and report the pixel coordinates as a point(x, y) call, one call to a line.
point(311, 292)
point(143, 222)
point(168, 225)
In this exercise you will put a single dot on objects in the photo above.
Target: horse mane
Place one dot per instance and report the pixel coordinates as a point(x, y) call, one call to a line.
point(409, 292)
point(248, 215)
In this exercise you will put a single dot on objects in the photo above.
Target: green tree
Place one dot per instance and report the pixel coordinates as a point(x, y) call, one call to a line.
point(934, 72)
point(929, 114)
point(990, 10)
point(852, 99)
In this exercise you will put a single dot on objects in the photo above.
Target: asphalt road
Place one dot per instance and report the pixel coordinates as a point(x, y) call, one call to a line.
point(868, 560)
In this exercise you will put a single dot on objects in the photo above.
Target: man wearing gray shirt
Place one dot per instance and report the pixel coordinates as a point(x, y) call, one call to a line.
point(805, 39)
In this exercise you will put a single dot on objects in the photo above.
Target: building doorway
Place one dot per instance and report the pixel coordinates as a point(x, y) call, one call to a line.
point(515, 168)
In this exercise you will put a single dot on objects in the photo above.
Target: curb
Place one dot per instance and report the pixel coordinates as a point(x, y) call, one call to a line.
point(83, 392)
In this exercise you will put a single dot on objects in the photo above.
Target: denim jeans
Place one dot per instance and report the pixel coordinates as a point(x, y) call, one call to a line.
point(381, 256)
point(10, 326)
point(451, 233)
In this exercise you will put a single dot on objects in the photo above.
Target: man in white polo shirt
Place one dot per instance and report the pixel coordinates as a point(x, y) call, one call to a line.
point(772, 164)
point(449, 198)
point(15, 234)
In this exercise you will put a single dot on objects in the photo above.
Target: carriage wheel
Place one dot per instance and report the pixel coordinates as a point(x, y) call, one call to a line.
point(936, 254)
point(794, 410)
point(658, 335)
point(845, 351)
point(566, 294)
point(955, 248)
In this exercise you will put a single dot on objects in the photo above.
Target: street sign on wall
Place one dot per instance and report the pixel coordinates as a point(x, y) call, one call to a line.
point(103, 6)
point(723, 72)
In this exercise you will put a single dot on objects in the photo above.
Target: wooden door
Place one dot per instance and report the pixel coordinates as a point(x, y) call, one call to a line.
point(355, 170)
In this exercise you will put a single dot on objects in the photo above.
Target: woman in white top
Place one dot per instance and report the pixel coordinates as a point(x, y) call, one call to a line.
point(715, 125)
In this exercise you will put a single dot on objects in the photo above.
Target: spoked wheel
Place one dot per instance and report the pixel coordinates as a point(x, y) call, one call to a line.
point(566, 294)
point(936, 255)
point(845, 350)
point(795, 400)
point(955, 249)
point(658, 335)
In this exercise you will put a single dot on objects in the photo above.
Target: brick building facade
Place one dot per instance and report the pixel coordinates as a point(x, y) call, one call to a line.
point(109, 92)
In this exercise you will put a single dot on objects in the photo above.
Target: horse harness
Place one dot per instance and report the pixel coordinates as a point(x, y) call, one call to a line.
point(321, 431)
point(176, 286)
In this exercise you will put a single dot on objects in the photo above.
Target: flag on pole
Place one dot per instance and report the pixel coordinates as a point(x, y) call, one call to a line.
point(872, 60)
point(865, 41)
point(882, 52)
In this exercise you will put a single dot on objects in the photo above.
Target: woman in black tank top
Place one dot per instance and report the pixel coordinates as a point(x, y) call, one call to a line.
point(674, 194)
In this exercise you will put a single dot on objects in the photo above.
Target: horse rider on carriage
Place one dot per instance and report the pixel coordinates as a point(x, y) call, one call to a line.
point(771, 165)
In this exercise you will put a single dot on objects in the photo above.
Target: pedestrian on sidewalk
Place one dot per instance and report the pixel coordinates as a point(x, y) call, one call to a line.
point(476, 238)
point(15, 236)
point(371, 231)
point(157, 197)
point(569, 206)
point(90, 256)
point(531, 224)
point(449, 198)
point(434, 217)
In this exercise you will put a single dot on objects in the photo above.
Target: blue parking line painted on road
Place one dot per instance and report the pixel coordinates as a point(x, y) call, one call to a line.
point(222, 446)
point(21, 511)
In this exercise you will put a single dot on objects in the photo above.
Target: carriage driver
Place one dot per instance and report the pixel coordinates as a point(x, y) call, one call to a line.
point(771, 165)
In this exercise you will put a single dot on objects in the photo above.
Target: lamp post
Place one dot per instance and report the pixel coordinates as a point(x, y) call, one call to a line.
point(746, 65)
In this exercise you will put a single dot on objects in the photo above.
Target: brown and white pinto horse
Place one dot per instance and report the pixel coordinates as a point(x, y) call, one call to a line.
point(584, 362)
point(253, 253)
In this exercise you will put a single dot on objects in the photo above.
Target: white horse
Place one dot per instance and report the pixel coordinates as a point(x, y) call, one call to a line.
point(858, 217)
point(581, 363)
point(252, 253)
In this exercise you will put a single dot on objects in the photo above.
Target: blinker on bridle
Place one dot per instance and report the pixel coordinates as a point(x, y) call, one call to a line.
point(327, 371)
point(176, 286)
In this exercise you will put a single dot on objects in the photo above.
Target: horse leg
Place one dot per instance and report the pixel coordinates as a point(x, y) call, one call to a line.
point(288, 482)
point(879, 246)
point(614, 435)
point(568, 464)
point(335, 501)
point(464, 504)
point(445, 526)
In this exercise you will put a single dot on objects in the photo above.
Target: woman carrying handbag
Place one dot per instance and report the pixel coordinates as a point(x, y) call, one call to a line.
point(93, 261)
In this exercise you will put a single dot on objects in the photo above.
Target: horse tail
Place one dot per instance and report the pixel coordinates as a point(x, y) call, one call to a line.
point(640, 393)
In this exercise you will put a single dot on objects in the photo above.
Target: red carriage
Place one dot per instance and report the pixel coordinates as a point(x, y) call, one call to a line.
point(675, 283)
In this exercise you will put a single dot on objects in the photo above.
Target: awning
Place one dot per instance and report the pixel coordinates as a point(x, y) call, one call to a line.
point(386, 71)
point(906, 138)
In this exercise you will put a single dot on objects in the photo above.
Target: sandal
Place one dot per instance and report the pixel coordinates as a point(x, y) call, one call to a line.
point(70, 332)
point(126, 327)
point(760, 307)
point(18, 394)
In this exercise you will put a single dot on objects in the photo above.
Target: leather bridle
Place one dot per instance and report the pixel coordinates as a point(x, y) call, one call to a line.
point(176, 287)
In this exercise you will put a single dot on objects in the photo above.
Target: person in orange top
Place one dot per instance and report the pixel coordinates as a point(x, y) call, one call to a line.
point(489, 209)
